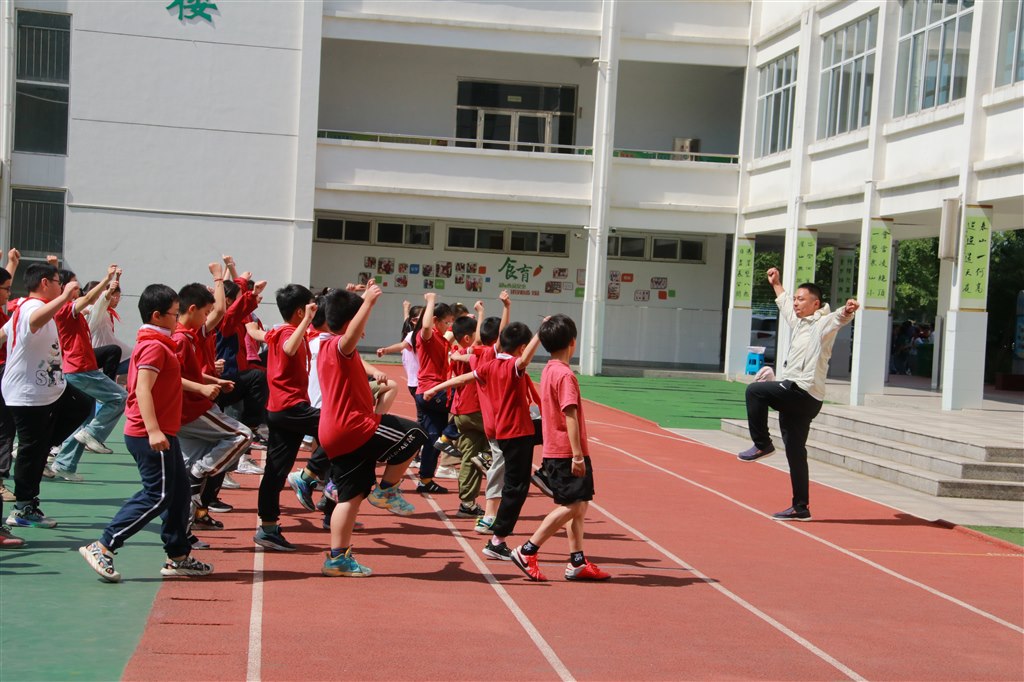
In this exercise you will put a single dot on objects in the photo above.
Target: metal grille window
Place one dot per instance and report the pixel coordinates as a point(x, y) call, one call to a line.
point(776, 95)
point(1010, 58)
point(41, 98)
point(847, 77)
point(37, 222)
point(934, 52)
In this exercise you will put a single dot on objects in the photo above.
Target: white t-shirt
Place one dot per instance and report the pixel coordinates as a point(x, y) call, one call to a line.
point(33, 375)
point(315, 397)
point(411, 363)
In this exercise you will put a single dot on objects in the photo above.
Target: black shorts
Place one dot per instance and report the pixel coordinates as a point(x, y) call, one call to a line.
point(565, 487)
point(395, 441)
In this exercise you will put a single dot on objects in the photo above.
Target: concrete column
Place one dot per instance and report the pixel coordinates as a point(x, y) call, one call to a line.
point(871, 331)
point(596, 287)
point(842, 351)
point(942, 308)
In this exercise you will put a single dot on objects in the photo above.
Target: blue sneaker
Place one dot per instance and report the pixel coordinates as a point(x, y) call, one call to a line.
point(30, 517)
point(273, 539)
point(344, 566)
point(390, 499)
point(303, 489)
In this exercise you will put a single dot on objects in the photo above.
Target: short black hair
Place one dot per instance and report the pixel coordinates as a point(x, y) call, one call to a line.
point(320, 316)
point(463, 326)
point(65, 276)
point(36, 273)
point(489, 330)
point(230, 289)
point(341, 307)
point(90, 284)
point(4, 276)
point(291, 298)
point(156, 298)
point(459, 310)
point(515, 335)
point(556, 333)
point(195, 294)
point(813, 289)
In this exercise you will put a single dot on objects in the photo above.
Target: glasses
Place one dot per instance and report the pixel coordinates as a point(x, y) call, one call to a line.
point(6, 288)
point(174, 315)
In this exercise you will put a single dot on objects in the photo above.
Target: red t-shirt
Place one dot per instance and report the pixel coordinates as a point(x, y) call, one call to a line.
point(154, 354)
point(560, 389)
point(433, 356)
point(348, 419)
point(466, 399)
point(481, 356)
point(287, 376)
point(188, 348)
point(75, 340)
point(509, 396)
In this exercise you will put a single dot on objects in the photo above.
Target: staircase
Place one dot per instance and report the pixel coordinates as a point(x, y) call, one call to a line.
point(948, 455)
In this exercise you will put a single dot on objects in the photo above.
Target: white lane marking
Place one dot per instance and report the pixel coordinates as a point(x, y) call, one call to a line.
point(842, 550)
point(531, 630)
point(667, 436)
point(853, 675)
point(255, 655)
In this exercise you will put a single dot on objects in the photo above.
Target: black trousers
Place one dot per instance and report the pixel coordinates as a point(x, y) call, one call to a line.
point(518, 453)
point(108, 358)
point(796, 408)
point(286, 430)
point(41, 427)
point(250, 390)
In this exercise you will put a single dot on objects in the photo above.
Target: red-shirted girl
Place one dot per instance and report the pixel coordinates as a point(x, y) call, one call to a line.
point(432, 351)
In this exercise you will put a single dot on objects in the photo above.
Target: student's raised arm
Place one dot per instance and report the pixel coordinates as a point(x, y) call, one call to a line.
point(229, 265)
point(356, 327)
point(43, 314)
point(83, 302)
point(291, 346)
point(479, 308)
point(524, 360)
point(219, 301)
point(506, 310)
point(427, 317)
point(13, 258)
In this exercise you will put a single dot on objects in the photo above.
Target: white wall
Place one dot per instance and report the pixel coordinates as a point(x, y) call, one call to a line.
point(568, 14)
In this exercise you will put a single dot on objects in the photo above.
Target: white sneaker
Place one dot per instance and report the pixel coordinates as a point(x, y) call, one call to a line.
point(66, 475)
point(90, 443)
point(246, 465)
point(230, 483)
point(446, 472)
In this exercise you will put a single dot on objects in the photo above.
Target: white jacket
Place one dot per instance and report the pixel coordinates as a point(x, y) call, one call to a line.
point(810, 345)
point(101, 325)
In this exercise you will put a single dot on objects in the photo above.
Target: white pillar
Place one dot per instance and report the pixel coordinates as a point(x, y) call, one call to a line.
point(871, 331)
point(596, 288)
point(942, 310)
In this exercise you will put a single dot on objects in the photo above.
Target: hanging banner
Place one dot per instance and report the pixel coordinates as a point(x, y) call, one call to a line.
point(974, 257)
point(806, 253)
point(744, 287)
point(879, 255)
point(844, 270)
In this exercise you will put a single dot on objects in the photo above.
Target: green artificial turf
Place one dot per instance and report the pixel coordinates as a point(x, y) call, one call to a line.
point(672, 403)
point(1014, 535)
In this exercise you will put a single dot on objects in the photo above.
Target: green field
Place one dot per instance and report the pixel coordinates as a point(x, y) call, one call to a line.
point(672, 403)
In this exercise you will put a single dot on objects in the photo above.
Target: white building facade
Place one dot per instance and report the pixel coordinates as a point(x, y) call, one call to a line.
point(616, 161)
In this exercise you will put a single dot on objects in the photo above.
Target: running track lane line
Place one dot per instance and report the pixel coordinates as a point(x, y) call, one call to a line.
point(842, 550)
point(545, 649)
point(255, 655)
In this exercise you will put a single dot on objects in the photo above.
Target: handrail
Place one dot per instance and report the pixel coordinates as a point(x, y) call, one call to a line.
point(434, 141)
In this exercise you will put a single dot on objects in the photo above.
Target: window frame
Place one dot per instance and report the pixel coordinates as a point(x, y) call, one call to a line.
point(507, 232)
point(775, 94)
point(679, 250)
point(913, 68)
point(374, 223)
point(857, 105)
point(1010, 66)
point(553, 118)
point(57, 86)
point(21, 244)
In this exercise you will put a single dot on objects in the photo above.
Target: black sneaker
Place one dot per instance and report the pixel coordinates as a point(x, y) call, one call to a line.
point(204, 521)
point(753, 453)
point(494, 551)
point(447, 447)
point(540, 479)
point(273, 539)
point(482, 461)
point(793, 514)
point(220, 506)
point(431, 487)
point(469, 511)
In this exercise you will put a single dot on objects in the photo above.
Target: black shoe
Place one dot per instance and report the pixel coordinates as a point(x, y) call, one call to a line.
point(431, 487)
point(752, 453)
point(540, 479)
point(206, 522)
point(469, 512)
point(219, 506)
point(793, 514)
point(494, 551)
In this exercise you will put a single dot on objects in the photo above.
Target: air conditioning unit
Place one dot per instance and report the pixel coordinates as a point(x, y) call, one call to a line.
point(686, 147)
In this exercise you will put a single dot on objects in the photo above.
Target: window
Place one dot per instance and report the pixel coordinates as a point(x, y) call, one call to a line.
point(538, 241)
point(1010, 59)
point(385, 232)
point(519, 240)
point(776, 95)
point(37, 222)
point(627, 247)
point(847, 77)
point(515, 116)
point(476, 238)
point(41, 91)
point(680, 250)
point(934, 51)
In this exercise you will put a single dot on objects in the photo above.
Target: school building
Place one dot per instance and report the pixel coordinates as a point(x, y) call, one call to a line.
point(619, 161)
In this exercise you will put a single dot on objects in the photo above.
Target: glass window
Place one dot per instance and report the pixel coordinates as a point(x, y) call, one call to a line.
point(461, 238)
point(357, 231)
point(933, 53)
point(515, 116)
point(691, 251)
point(37, 222)
point(664, 249)
point(632, 247)
point(553, 242)
point(390, 233)
point(417, 235)
point(491, 240)
point(847, 77)
point(777, 82)
point(523, 241)
point(1010, 58)
point(330, 228)
point(613, 246)
point(41, 89)
point(360, 230)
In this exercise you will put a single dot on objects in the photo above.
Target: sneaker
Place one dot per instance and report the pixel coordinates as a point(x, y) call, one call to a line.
point(246, 465)
point(527, 563)
point(90, 443)
point(203, 520)
point(482, 461)
point(540, 479)
point(9, 540)
point(303, 489)
point(753, 453)
point(431, 487)
point(66, 475)
point(259, 442)
point(391, 499)
point(471, 511)
point(196, 542)
point(483, 525)
point(48, 472)
point(102, 562)
point(230, 483)
point(6, 494)
point(344, 566)
point(186, 566)
point(446, 472)
point(494, 551)
point(793, 514)
point(447, 447)
point(30, 517)
point(331, 492)
point(587, 571)
point(307, 444)
point(219, 506)
point(272, 539)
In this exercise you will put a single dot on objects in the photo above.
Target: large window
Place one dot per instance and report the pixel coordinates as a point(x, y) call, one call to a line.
point(776, 95)
point(515, 116)
point(41, 99)
point(37, 222)
point(362, 230)
point(508, 240)
point(1010, 59)
point(847, 77)
point(934, 51)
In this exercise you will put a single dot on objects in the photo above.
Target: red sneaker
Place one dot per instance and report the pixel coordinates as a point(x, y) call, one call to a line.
point(9, 540)
point(587, 571)
point(527, 563)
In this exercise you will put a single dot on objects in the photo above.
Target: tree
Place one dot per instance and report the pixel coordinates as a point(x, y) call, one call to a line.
point(917, 280)
point(1005, 281)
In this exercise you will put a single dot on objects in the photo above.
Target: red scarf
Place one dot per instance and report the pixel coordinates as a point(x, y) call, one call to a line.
point(113, 314)
point(153, 335)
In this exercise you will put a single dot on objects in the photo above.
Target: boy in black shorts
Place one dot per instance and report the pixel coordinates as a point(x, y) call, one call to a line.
point(566, 456)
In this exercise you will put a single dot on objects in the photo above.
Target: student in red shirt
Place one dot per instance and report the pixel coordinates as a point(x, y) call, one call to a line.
point(472, 441)
point(151, 426)
point(354, 436)
point(566, 456)
point(432, 352)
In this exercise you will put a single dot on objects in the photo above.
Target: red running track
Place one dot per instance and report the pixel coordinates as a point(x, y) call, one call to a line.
point(705, 586)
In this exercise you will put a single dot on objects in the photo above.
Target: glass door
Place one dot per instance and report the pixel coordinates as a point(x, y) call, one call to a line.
point(494, 130)
point(533, 132)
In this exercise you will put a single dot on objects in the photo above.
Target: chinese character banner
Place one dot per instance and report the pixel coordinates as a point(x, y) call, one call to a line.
point(974, 257)
point(879, 255)
point(744, 287)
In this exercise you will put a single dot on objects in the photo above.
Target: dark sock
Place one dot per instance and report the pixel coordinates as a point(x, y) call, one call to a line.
point(529, 548)
point(306, 477)
point(386, 484)
point(337, 552)
point(577, 559)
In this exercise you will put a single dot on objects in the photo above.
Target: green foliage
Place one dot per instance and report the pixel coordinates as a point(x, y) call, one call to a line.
point(763, 297)
point(917, 280)
point(1005, 281)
